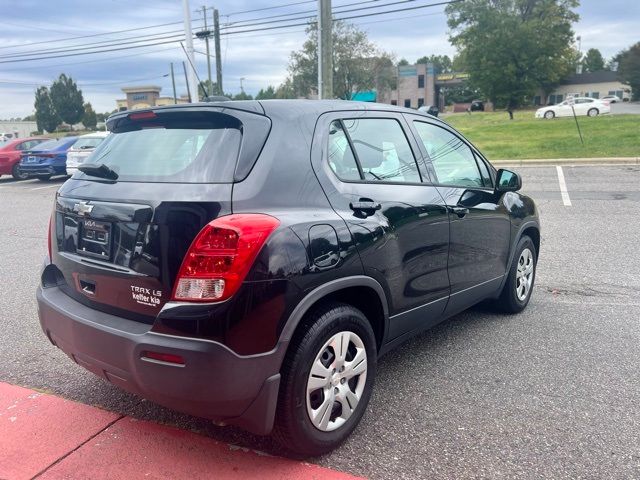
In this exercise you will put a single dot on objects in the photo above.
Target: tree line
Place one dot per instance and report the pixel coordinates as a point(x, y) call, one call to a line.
point(63, 102)
point(511, 49)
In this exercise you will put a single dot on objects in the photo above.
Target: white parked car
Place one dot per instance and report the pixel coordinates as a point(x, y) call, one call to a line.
point(591, 107)
point(612, 98)
point(81, 150)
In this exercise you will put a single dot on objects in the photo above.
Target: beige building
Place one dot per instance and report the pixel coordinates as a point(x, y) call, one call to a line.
point(592, 84)
point(414, 87)
point(145, 96)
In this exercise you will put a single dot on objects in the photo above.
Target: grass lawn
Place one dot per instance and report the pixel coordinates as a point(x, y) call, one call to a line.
point(526, 137)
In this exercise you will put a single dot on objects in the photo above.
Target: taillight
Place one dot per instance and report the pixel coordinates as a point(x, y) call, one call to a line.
point(221, 255)
point(146, 115)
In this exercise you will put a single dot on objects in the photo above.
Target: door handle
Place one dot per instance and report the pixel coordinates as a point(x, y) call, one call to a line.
point(365, 206)
point(459, 211)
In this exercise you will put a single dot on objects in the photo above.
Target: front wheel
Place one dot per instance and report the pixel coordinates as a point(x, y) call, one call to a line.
point(327, 379)
point(549, 114)
point(516, 292)
point(17, 173)
point(593, 112)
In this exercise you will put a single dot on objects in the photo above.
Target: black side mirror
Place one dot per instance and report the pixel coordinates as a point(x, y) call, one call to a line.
point(508, 181)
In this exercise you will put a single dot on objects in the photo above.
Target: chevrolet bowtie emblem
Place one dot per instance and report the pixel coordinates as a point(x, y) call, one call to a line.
point(82, 208)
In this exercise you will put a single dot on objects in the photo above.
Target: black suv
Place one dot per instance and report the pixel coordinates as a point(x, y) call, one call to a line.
point(249, 262)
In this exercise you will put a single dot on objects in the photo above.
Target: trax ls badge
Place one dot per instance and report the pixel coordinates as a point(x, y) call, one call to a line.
point(82, 208)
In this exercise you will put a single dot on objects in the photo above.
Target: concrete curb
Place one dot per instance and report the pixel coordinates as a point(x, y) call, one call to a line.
point(537, 162)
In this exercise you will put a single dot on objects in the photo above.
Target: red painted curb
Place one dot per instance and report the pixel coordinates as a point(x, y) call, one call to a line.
point(37, 430)
point(139, 449)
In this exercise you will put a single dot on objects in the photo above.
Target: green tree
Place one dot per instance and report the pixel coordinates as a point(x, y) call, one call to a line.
point(629, 68)
point(513, 47)
point(593, 61)
point(46, 117)
point(67, 100)
point(242, 96)
point(441, 63)
point(403, 62)
point(90, 119)
point(266, 93)
point(286, 90)
point(356, 62)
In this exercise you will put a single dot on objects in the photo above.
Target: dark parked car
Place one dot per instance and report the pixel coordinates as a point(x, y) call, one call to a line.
point(46, 159)
point(430, 109)
point(249, 262)
point(477, 106)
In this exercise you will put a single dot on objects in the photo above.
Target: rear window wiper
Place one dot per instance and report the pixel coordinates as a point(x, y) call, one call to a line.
point(98, 170)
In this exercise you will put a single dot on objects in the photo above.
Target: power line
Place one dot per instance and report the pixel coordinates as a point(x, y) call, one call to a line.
point(88, 53)
point(140, 38)
point(88, 84)
point(270, 8)
point(100, 60)
point(107, 48)
point(177, 38)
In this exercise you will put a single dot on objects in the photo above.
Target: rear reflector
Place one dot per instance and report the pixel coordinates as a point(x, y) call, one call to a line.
point(142, 116)
point(221, 255)
point(163, 357)
point(49, 239)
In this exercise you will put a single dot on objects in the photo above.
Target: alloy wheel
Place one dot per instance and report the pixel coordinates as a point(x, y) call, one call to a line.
point(524, 274)
point(336, 381)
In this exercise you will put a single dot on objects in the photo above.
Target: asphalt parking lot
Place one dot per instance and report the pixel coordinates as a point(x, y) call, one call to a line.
point(550, 393)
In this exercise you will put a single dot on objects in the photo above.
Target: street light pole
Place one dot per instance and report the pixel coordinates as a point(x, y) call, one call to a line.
point(207, 33)
point(325, 50)
point(191, 76)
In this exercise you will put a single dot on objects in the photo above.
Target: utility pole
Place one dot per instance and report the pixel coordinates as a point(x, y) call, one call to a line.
point(173, 82)
point(325, 50)
point(206, 33)
point(186, 79)
point(192, 84)
point(242, 79)
point(216, 38)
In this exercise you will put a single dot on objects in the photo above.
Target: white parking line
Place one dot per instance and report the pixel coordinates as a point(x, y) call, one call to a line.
point(48, 186)
point(563, 187)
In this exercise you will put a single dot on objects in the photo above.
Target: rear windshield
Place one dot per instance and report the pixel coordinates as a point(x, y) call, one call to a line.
point(171, 155)
point(48, 145)
point(88, 142)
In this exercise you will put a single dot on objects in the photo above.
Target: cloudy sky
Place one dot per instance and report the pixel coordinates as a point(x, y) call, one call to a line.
point(50, 31)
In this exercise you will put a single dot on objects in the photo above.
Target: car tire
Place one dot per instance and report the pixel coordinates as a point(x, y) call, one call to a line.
point(44, 178)
point(593, 112)
point(549, 114)
point(517, 290)
point(17, 174)
point(303, 392)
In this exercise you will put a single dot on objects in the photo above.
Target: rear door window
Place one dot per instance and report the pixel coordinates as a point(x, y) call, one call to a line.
point(373, 149)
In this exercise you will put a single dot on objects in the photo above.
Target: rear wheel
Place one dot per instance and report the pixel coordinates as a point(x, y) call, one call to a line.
point(17, 173)
point(519, 285)
point(549, 114)
point(44, 178)
point(327, 379)
point(593, 112)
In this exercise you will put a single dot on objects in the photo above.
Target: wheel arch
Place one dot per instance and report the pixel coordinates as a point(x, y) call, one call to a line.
point(532, 230)
point(362, 292)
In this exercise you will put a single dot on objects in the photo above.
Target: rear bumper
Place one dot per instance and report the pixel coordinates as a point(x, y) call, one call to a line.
point(42, 169)
point(213, 383)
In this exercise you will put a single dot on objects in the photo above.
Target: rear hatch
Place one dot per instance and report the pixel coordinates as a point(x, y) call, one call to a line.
point(118, 243)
